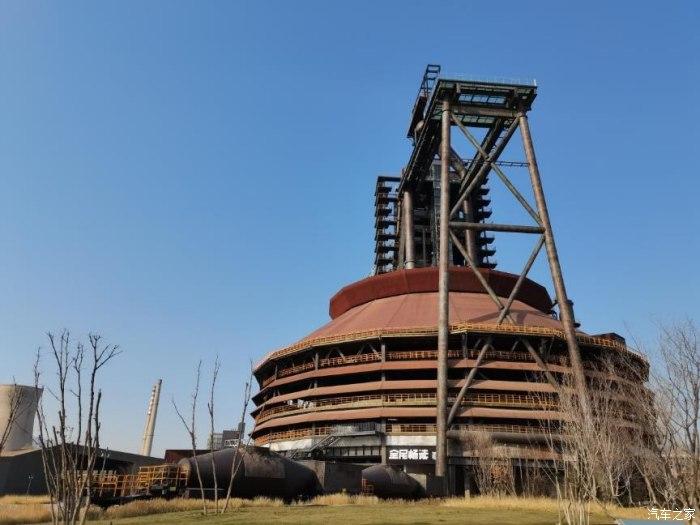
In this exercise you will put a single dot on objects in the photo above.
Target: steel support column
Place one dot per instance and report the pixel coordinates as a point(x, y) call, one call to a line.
point(566, 314)
point(467, 205)
point(443, 298)
point(470, 235)
point(410, 258)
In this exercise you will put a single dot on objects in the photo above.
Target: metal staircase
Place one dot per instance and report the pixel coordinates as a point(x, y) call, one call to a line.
point(327, 442)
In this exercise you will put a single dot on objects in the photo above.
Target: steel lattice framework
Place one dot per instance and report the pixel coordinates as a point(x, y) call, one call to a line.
point(499, 109)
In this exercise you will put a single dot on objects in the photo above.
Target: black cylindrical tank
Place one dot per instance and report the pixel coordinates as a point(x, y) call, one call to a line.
point(262, 473)
point(388, 482)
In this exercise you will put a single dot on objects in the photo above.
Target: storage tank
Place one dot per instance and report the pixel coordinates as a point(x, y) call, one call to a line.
point(262, 473)
point(18, 404)
point(385, 481)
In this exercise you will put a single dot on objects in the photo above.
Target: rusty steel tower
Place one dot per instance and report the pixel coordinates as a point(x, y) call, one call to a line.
point(439, 348)
point(437, 213)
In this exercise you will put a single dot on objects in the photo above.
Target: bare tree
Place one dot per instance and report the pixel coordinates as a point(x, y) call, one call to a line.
point(191, 428)
point(636, 432)
point(238, 456)
point(210, 409)
point(70, 446)
point(591, 455)
point(670, 462)
point(571, 474)
point(494, 468)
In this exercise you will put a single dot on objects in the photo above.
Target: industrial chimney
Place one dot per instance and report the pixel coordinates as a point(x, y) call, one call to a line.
point(151, 419)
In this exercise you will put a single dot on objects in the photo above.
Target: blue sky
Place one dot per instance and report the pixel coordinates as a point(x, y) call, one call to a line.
point(196, 178)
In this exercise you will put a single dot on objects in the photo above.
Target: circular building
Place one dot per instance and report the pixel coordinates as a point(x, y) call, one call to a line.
point(362, 388)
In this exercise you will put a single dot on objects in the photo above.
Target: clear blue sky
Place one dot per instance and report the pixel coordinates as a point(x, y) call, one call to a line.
point(194, 178)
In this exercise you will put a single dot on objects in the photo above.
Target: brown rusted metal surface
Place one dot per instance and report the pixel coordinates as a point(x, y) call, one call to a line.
point(362, 414)
point(418, 280)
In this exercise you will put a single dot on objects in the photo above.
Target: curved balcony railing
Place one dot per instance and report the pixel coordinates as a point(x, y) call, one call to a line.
point(391, 428)
point(417, 355)
point(349, 360)
point(543, 401)
point(457, 328)
point(295, 369)
point(407, 355)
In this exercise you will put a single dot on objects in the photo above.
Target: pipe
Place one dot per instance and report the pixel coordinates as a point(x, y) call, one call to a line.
point(151, 414)
point(443, 299)
point(410, 261)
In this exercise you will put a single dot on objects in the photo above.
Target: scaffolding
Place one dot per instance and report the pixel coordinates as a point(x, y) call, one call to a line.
point(154, 480)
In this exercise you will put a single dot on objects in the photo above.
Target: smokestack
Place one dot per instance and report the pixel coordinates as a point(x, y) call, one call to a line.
point(151, 419)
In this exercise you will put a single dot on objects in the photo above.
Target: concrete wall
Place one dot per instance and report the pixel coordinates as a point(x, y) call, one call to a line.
point(23, 399)
point(22, 474)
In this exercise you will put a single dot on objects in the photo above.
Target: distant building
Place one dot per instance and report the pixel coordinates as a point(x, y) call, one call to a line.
point(226, 438)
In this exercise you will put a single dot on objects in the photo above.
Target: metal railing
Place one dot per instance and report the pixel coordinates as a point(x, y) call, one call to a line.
point(109, 485)
point(457, 328)
point(543, 401)
point(430, 428)
point(300, 433)
point(410, 355)
point(296, 369)
point(349, 360)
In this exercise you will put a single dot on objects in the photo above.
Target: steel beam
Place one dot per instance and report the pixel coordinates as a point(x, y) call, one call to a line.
point(457, 164)
point(475, 111)
point(410, 259)
point(443, 297)
point(566, 314)
point(468, 185)
point(468, 381)
point(522, 200)
point(541, 364)
point(470, 233)
point(507, 315)
point(488, 227)
point(467, 207)
point(521, 279)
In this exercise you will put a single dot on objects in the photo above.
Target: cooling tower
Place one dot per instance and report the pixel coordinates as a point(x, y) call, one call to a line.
point(18, 404)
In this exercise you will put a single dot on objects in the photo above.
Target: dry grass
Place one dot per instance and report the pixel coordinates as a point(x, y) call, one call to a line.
point(544, 505)
point(502, 503)
point(151, 506)
point(24, 513)
point(345, 508)
point(342, 499)
point(31, 509)
point(27, 509)
point(160, 506)
point(238, 503)
point(23, 500)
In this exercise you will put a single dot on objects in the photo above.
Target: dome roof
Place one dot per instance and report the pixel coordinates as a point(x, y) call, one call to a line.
point(407, 300)
point(462, 279)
